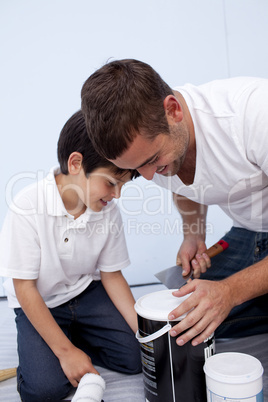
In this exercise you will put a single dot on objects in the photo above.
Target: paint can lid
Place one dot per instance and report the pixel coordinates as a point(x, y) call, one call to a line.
point(157, 305)
point(233, 368)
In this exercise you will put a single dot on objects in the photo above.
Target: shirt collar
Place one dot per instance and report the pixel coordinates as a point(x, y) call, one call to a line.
point(54, 203)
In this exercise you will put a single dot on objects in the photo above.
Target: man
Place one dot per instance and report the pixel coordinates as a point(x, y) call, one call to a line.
point(208, 144)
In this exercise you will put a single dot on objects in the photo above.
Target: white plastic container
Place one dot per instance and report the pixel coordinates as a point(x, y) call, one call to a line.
point(233, 377)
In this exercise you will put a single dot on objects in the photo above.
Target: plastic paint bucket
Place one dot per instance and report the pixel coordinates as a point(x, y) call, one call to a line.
point(234, 377)
point(171, 373)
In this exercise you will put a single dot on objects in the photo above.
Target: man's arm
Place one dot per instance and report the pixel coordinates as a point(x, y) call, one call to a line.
point(212, 301)
point(192, 251)
point(74, 362)
point(119, 292)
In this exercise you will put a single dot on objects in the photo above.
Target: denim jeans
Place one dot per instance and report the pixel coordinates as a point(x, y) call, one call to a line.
point(93, 324)
point(245, 248)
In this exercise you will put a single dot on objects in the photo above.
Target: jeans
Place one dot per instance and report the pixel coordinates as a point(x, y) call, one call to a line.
point(93, 324)
point(245, 248)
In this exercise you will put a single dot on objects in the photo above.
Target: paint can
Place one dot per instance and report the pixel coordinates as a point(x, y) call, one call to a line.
point(171, 373)
point(234, 377)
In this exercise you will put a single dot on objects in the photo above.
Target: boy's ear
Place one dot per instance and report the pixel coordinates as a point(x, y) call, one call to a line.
point(173, 109)
point(75, 163)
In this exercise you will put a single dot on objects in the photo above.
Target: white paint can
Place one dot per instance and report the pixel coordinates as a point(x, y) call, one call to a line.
point(233, 377)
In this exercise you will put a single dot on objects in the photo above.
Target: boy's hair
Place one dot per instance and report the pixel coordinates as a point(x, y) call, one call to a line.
point(74, 138)
point(120, 99)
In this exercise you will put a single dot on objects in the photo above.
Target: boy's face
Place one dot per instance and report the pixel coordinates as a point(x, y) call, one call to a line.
point(100, 187)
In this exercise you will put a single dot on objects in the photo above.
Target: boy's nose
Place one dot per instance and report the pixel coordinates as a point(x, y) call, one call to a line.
point(116, 192)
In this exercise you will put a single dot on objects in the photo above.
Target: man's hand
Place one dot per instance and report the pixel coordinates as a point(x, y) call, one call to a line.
point(192, 255)
point(75, 364)
point(208, 306)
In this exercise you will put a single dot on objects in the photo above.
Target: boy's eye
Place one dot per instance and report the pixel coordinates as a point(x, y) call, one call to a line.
point(153, 161)
point(111, 183)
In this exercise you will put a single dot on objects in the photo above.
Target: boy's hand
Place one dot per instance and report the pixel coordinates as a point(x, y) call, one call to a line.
point(75, 364)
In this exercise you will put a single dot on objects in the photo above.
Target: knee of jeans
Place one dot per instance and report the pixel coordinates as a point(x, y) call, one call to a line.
point(136, 365)
point(132, 362)
point(43, 390)
point(135, 369)
point(135, 358)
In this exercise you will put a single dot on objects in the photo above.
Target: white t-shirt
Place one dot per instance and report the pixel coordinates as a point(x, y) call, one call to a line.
point(41, 240)
point(231, 128)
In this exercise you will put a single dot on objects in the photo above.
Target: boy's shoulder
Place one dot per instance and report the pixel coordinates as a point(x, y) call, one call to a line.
point(42, 188)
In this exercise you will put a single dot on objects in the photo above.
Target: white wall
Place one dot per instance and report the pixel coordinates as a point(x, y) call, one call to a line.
point(49, 48)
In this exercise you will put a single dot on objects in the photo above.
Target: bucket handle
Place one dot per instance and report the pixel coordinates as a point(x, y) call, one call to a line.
point(155, 335)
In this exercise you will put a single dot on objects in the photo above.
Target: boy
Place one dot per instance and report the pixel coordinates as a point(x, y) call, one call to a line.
point(63, 248)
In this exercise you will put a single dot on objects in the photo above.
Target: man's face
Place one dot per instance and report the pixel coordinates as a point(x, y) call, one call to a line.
point(163, 155)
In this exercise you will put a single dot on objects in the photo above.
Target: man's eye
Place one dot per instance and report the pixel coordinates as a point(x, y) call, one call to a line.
point(153, 161)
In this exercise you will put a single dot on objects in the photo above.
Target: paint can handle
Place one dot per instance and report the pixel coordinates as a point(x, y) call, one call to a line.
point(155, 335)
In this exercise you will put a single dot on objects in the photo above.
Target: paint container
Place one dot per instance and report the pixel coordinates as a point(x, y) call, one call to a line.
point(171, 373)
point(234, 377)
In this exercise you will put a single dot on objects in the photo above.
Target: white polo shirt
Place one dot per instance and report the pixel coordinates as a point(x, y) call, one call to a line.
point(41, 240)
point(231, 128)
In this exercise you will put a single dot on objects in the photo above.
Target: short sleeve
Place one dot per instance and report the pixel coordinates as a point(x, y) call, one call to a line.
point(256, 126)
point(19, 244)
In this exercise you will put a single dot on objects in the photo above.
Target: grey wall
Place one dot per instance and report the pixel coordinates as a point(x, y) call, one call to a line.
point(49, 48)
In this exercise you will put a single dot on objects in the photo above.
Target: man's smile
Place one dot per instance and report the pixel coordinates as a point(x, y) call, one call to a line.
point(161, 169)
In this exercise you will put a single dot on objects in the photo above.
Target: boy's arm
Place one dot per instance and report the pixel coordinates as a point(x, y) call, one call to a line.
point(74, 362)
point(119, 292)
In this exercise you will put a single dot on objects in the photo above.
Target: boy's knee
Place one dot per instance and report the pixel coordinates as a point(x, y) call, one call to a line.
point(135, 365)
point(43, 390)
point(132, 362)
point(134, 358)
point(43, 394)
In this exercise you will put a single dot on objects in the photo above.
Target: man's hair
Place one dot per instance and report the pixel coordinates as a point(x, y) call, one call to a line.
point(119, 100)
point(74, 138)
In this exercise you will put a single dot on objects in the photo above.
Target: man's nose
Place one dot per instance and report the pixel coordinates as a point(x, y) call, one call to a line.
point(147, 172)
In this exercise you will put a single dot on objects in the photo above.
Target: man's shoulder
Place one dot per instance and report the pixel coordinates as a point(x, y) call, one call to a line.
point(227, 87)
point(237, 81)
point(223, 97)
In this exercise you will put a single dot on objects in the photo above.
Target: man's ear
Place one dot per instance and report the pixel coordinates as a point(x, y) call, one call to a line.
point(75, 163)
point(173, 109)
